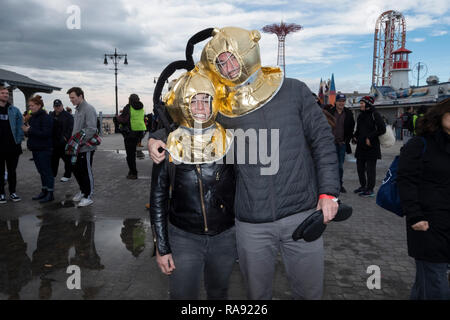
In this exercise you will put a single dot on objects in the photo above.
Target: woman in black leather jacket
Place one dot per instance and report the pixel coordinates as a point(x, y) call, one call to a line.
point(192, 205)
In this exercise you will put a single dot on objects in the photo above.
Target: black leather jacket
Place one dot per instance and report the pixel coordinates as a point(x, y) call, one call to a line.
point(202, 200)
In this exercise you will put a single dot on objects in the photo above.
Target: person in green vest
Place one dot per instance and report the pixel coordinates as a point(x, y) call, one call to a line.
point(133, 130)
point(420, 113)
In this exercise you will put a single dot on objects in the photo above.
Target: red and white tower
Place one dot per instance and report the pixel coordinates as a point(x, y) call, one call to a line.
point(400, 69)
point(390, 35)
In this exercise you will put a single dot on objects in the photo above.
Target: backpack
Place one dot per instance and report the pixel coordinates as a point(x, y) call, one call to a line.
point(387, 196)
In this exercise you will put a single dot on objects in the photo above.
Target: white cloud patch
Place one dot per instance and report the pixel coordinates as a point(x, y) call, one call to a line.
point(438, 33)
point(154, 33)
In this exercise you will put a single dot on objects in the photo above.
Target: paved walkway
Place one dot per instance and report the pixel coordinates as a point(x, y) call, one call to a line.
point(111, 240)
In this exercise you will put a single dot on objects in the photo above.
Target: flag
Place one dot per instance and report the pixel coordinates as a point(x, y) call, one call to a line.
point(332, 94)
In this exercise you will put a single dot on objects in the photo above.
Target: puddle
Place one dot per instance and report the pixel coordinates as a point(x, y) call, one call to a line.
point(35, 252)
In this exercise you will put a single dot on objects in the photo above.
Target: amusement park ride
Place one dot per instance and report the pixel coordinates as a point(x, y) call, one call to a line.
point(390, 72)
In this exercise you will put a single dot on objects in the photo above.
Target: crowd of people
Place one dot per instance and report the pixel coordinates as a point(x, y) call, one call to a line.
point(51, 137)
point(205, 214)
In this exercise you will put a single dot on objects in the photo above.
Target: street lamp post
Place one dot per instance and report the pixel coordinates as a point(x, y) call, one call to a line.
point(115, 59)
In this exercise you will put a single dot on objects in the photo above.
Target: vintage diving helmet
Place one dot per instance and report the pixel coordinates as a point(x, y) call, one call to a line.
point(231, 59)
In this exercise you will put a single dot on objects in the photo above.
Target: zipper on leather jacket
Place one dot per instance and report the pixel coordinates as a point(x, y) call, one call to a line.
point(200, 183)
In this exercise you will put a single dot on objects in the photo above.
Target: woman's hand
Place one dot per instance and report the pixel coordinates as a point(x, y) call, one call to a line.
point(165, 263)
point(421, 226)
point(25, 128)
point(368, 142)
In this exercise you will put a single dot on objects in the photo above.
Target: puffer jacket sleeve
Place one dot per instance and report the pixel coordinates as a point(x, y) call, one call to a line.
point(321, 141)
point(160, 134)
point(408, 179)
point(159, 196)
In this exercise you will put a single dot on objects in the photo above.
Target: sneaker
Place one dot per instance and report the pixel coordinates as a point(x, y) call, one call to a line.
point(2, 198)
point(64, 179)
point(367, 193)
point(77, 197)
point(85, 202)
point(14, 197)
point(359, 190)
point(343, 190)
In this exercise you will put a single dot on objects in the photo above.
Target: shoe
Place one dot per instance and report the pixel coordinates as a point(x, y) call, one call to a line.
point(41, 195)
point(14, 197)
point(132, 176)
point(78, 197)
point(2, 198)
point(64, 179)
point(85, 202)
point(359, 190)
point(367, 193)
point(49, 197)
point(343, 190)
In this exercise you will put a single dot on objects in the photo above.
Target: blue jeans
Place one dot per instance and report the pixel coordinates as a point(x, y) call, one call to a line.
point(340, 150)
point(196, 255)
point(431, 281)
point(43, 162)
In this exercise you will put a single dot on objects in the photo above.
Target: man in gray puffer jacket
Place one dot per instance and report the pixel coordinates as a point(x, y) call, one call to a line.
point(270, 204)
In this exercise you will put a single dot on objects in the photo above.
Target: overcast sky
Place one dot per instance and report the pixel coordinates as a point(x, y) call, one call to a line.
point(337, 38)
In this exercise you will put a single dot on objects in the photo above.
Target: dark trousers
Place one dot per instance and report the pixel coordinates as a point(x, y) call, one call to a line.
point(131, 143)
point(431, 282)
point(212, 257)
point(340, 150)
point(82, 170)
point(59, 153)
point(367, 167)
point(11, 160)
point(42, 160)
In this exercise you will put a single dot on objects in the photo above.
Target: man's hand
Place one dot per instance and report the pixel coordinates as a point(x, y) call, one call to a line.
point(421, 226)
point(153, 146)
point(165, 263)
point(329, 209)
point(368, 142)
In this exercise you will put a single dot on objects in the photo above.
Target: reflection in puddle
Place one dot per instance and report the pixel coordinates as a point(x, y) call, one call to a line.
point(36, 251)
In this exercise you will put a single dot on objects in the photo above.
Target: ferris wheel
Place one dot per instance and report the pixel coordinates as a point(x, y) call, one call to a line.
point(390, 35)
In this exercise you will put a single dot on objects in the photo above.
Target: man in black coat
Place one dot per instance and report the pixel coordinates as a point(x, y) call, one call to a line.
point(343, 132)
point(369, 127)
point(62, 131)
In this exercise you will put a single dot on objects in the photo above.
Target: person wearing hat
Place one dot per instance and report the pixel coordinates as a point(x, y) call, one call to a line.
point(62, 131)
point(343, 132)
point(369, 127)
point(133, 129)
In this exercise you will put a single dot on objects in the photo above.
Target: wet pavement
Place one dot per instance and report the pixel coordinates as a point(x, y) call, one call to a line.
point(111, 240)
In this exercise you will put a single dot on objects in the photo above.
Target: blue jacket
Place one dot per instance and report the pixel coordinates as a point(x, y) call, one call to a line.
point(16, 122)
point(40, 136)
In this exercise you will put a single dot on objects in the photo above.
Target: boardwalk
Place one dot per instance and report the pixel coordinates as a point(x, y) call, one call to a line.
point(111, 240)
